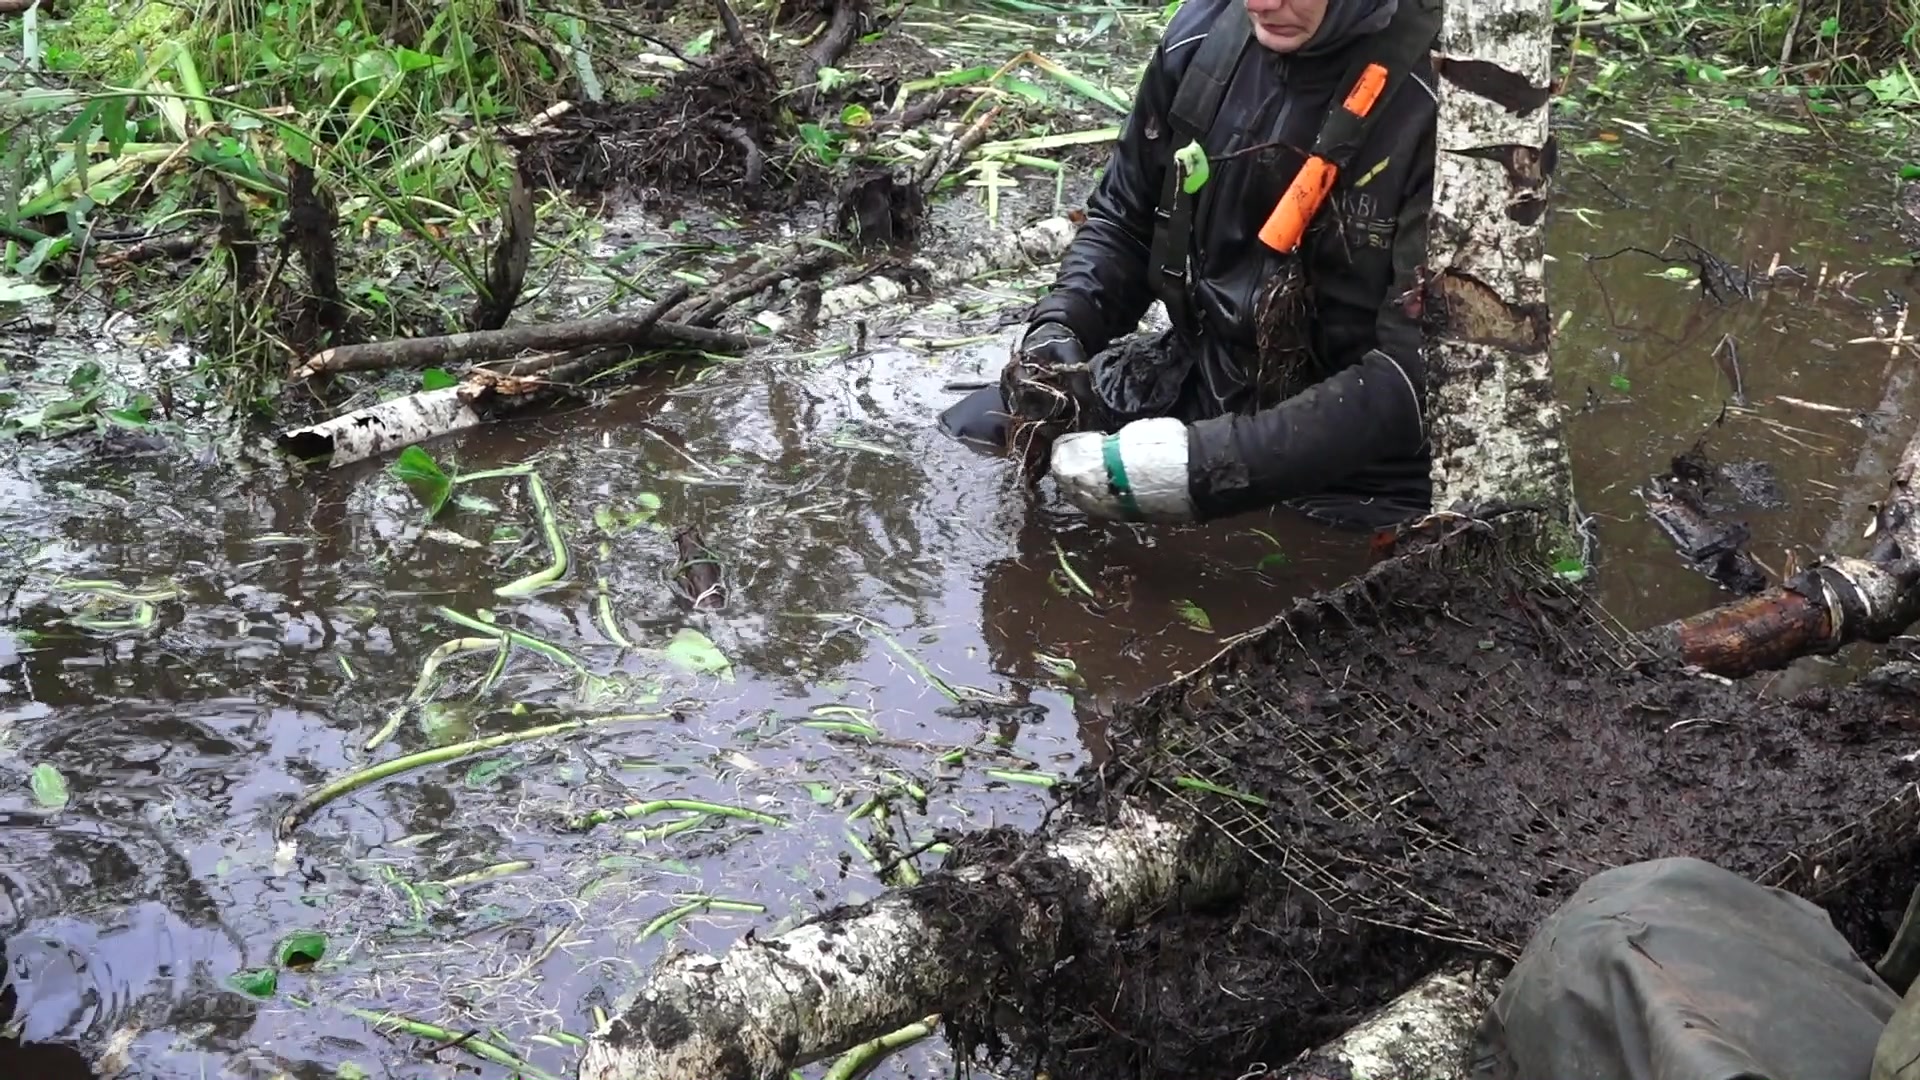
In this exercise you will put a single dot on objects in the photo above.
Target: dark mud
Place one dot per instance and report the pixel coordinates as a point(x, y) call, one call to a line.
point(1687, 503)
point(1423, 764)
point(709, 129)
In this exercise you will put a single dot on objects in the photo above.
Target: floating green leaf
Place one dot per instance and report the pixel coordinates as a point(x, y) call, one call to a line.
point(1192, 160)
point(437, 379)
point(694, 651)
point(15, 290)
point(302, 948)
point(1196, 615)
point(1620, 382)
point(49, 787)
point(417, 469)
point(256, 982)
point(483, 773)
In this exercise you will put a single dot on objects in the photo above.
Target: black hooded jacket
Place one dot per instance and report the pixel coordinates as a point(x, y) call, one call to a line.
point(1362, 420)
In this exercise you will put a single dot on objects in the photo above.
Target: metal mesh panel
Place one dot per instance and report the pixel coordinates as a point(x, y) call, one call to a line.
point(1225, 743)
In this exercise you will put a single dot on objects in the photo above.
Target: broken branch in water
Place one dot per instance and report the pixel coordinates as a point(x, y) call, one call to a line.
point(1718, 278)
point(706, 310)
point(1677, 501)
point(645, 328)
point(697, 576)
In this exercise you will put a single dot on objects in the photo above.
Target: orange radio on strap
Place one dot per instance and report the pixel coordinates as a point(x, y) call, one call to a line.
point(1287, 225)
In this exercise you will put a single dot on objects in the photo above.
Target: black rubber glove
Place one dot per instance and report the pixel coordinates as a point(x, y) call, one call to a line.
point(1049, 381)
point(1051, 345)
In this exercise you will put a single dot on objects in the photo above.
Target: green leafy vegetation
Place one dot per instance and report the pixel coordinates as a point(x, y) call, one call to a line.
point(1832, 58)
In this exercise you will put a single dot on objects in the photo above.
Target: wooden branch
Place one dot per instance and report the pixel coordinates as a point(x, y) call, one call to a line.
point(481, 345)
point(507, 270)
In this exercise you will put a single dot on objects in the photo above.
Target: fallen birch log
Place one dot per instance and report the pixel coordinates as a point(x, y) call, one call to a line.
point(642, 328)
point(770, 1004)
point(1425, 1033)
point(384, 426)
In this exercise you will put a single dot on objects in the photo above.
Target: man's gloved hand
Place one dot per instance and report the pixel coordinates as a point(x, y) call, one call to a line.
point(1051, 345)
point(1139, 473)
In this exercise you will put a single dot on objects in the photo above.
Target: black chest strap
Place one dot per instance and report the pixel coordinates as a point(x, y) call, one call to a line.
point(1196, 104)
point(1381, 63)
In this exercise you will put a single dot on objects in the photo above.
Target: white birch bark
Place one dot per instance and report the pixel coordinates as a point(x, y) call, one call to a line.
point(388, 425)
point(1495, 423)
point(769, 1004)
point(1424, 1034)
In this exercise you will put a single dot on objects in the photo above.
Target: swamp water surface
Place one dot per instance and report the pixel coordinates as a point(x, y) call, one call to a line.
point(901, 622)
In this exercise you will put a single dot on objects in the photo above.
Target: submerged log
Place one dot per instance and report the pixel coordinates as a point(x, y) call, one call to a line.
point(770, 1004)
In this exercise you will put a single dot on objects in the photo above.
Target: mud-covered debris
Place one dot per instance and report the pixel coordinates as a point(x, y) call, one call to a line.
point(876, 209)
point(1682, 503)
point(710, 130)
point(1421, 765)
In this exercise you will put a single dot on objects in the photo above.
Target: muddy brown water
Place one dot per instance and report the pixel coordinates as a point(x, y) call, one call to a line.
point(865, 554)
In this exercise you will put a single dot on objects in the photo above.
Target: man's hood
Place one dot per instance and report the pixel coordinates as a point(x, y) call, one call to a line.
point(1349, 19)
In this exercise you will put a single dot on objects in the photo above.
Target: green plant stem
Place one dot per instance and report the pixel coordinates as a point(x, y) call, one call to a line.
point(441, 755)
point(694, 907)
point(487, 873)
point(550, 527)
point(423, 685)
point(638, 810)
point(860, 1060)
point(476, 1046)
point(544, 648)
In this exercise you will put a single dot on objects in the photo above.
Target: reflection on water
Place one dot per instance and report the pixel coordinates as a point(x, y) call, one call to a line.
point(903, 624)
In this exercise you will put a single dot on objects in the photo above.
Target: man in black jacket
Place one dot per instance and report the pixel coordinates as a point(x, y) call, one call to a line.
point(1271, 187)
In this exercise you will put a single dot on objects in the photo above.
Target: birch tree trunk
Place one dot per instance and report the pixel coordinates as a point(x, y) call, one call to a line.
point(1494, 421)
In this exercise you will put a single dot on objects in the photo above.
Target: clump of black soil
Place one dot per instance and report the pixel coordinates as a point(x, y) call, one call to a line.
point(713, 130)
point(1730, 485)
point(1420, 766)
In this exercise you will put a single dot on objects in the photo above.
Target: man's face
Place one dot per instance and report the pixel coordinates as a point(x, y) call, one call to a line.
point(1285, 25)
